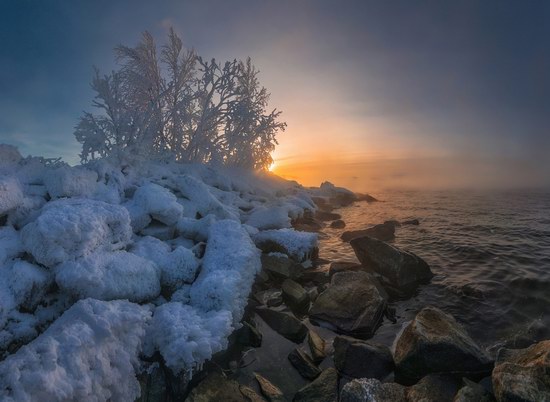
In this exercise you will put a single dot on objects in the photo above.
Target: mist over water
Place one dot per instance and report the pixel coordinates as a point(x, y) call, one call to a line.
point(489, 251)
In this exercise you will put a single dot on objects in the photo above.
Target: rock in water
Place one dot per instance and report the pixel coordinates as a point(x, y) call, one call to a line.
point(323, 389)
point(434, 388)
point(338, 224)
point(472, 391)
point(285, 324)
point(359, 359)
point(327, 216)
point(269, 390)
point(372, 390)
point(523, 374)
point(317, 346)
point(216, 387)
point(433, 342)
point(304, 364)
point(383, 232)
point(400, 268)
point(354, 304)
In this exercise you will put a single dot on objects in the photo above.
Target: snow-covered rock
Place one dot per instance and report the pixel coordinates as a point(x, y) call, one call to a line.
point(298, 245)
point(110, 275)
point(158, 202)
point(11, 194)
point(70, 182)
point(71, 228)
point(264, 218)
point(89, 354)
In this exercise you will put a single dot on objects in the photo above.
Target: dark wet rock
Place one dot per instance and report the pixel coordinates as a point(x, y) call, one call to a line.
point(304, 364)
point(338, 196)
point(250, 394)
point(215, 387)
point(362, 359)
point(401, 269)
point(249, 335)
point(472, 392)
point(295, 295)
point(354, 304)
point(383, 232)
point(317, 346)
point(262, 277)
point(322, 389)
point(342, 266)
point(281, 267)
point(394, 223)
point(314, 276)
point(269, 390)
point(523, 374)
point(327, 216)
point(323, 203)
point(415, 222)
point(433, 342)
point(313, 293)
point(365, 197)
point(434, 388)
point(284, 323)
point(153, 385)
point(338, 224)
point(372, 390)
point(269, 297)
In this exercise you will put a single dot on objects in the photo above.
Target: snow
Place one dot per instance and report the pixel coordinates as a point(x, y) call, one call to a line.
point(298, 245)
point(110, 275)
point(90, 353)
point(70, 182)
point(185, 336)
point(158, 254)
point(70, 228)
point(230, 263)
point(11, 194)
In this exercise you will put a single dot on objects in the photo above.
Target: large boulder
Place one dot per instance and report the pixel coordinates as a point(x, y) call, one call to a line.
point(472, 391)
point(383, 232)
point(285, 324)
point(434, 387)
point(354, 304)
point(372, 390)
point(322, 389)
point(433, 342)
point(359, 359)
point(523, 374)
point(401, 269)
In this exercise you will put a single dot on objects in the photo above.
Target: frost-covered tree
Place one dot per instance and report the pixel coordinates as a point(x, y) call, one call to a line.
point(180, 106)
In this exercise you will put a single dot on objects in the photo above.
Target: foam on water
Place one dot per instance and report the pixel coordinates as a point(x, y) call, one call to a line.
point(490, 253)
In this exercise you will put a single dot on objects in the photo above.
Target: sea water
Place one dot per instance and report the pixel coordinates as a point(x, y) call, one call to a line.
point(489, 251)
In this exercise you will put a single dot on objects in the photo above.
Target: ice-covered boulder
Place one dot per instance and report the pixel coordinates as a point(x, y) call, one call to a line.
point(71, 228)
point(67, 181)
point(158, 202)
point(27, 282)
point(110, 275)
point(89, 354)
point(229, 266)
point(186, 336)
point(297, 245)
point(11, 194)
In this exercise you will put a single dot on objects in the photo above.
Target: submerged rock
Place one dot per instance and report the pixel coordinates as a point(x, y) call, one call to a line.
point(304, 364)
point(338, 224)
point(354, 303)
point(285, 324)
point(372, 390)
point(433, 342)
point(269, 390)
point(359, 359)
point(322, 389)
point(383, 232)
point(523, 374)
point(401, 269)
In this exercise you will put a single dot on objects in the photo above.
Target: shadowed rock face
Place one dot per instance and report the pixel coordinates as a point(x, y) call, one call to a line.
point(353, 304)
point(434, 342)
point(362, 359)
point(323, 389)
point(523, 374)
point(402, 269)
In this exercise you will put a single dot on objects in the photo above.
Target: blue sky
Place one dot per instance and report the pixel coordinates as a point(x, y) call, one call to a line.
point(362, 80)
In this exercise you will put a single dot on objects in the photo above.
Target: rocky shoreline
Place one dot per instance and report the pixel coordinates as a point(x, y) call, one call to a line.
point(305, 334)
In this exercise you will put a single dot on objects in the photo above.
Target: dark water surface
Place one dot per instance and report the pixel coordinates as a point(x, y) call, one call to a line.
point(490, 253)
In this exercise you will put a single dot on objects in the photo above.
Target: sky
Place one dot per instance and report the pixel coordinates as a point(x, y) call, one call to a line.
point(427, 94)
